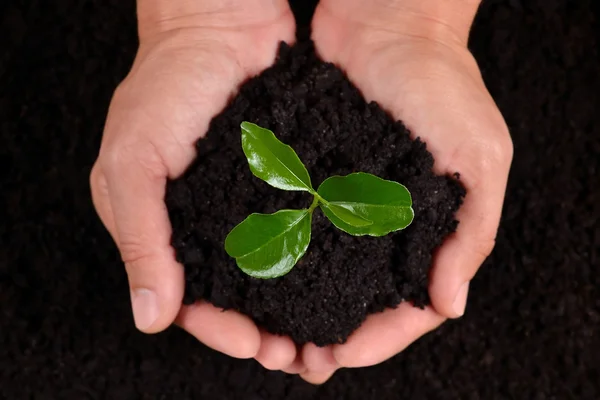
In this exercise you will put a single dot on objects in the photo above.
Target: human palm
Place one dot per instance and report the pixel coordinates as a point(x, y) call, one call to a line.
point(420, 70)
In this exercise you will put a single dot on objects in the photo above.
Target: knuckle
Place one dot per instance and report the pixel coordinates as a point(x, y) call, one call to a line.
point(120, 91)
point(127, 142)
point(484, 247)
point(133, 251)
point(116, 156)
point(121, 95)
point(501, 150)
point(98, 184)
point(95, 178)
point(100, 198)
point(137, 155)
point(493, 155)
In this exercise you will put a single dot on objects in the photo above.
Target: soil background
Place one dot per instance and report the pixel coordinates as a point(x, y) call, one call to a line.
point(531, 330)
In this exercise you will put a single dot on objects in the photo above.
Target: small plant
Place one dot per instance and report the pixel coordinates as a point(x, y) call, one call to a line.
point(269, 245)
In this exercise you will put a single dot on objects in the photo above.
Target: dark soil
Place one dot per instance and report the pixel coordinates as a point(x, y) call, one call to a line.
point(531, 327)
point(312, 106)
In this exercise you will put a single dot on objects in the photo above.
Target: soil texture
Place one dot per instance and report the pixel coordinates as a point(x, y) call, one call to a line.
point(313, 107)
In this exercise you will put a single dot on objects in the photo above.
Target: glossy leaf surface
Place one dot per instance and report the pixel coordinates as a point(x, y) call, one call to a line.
point(273, 161)
point(347, 216)
point(269, 245)
point(386, 204)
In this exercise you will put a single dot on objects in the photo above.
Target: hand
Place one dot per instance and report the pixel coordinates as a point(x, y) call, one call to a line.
point(192, 56)
point(411, 57)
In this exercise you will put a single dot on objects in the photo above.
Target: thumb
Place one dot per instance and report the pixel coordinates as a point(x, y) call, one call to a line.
point(128, 187)
point(154, 119)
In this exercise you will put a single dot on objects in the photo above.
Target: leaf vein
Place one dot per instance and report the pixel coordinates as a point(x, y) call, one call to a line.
point(275, 237)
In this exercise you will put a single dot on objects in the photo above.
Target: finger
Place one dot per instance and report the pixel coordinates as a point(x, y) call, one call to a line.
point(146, 311)
point(320, 363)
point(297, 366)
point(136, 179)
point(228, 332)
point(317, 378)
point(461, 255)
point(385, 334)
point(319, 359)
point(276, 352)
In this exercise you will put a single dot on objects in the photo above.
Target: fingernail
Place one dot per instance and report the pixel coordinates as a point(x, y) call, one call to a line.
point(144, 303)
point(460, 301)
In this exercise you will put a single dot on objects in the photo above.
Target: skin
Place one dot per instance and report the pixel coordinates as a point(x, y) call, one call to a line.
point(408, 55)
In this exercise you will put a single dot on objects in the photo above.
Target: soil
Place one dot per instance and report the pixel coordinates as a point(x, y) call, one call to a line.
point(531, 326)
point(313, 107)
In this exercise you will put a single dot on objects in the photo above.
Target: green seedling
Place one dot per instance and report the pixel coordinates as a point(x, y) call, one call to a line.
point(269, 245)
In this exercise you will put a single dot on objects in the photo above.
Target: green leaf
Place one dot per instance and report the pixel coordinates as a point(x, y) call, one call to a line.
point(273, 161)
point(269, 245)
point(386, 204)
point(348, 216)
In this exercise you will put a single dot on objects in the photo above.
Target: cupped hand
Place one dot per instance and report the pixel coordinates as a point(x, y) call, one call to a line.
point(191, 58)
point(412, 58)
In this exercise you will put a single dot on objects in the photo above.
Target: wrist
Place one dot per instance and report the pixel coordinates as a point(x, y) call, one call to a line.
point(439, 20)
point(160, 16)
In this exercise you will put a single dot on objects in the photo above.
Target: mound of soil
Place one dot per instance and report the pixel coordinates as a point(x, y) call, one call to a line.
point(312, 106)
